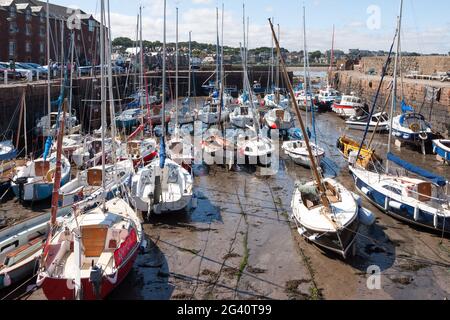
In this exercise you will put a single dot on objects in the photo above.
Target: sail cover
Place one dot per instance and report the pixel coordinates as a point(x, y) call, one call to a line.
point(440, 181)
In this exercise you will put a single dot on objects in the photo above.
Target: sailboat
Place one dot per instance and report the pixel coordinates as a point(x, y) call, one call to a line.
point(89, 254)
point(324, 211)
point(214, 110)
point(442, 149)
point(420, 200)
point(297, 150)
point(180, 150)
point(34, 181)
point(242, 115)
point(163, 185)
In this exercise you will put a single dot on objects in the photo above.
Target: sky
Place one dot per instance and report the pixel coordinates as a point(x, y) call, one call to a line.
point(362, 24)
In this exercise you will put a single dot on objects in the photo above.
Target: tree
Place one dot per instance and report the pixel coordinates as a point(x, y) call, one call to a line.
point(123, 41)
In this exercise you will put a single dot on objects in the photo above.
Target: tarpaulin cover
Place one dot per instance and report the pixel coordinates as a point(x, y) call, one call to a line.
point(438, 180)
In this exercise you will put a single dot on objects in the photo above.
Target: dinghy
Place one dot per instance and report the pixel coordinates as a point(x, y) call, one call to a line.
point(298, 152)
point(347, 146)
point(20, 248)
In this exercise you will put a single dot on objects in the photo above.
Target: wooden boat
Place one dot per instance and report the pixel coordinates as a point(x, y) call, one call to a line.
point(335, 229)
point(348, 145)
point(324, 211)
point(442, 149)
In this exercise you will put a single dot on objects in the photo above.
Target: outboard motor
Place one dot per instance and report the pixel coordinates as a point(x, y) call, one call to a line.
point(96, 279)
point(21, 182)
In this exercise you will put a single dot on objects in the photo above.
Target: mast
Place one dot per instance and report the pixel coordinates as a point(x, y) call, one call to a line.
point(49, 102)
point(272, 62)
point(305, 57)
point(62, 48)
point(141, 69)
point(217, 48)
point(190, 65)
point(71, 76)
point(176, 74)
point(221, 85)
point(331, 59)
point(317, 177)
point(394, 86)
point(244, 55)
point(164, 77)
point(103, 94)
point(110, 88)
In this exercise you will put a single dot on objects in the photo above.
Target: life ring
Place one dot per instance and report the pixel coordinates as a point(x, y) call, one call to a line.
point(415, 127)
point(50, 175)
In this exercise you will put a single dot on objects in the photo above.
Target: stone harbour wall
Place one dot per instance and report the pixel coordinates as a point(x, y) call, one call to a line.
point(424, 65)
point(437, 112)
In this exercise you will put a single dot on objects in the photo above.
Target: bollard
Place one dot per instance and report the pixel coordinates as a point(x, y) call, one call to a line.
point(6, 76)
point(29, 76)
point(37, 75)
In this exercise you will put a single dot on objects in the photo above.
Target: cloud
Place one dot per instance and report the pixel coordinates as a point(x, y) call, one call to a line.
point(202, 22)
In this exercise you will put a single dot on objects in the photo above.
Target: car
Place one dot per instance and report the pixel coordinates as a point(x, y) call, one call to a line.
point(23, 72)
point(43, 72)
point(24, 66)
point(10, 73)
point(85, 70)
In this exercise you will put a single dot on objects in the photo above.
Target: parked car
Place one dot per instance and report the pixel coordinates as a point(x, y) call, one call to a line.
point(85, 70)
point(24, 66)
point(43, 72)
point(10, 73)
point(23, 72)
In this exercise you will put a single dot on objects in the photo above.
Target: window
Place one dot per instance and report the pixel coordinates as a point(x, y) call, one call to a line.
point(43, 31)
point(13, 27)
point(79, 37)
point(41, 48)
point(12, 11)
point(28, 47)
point(91, 25)
point(28, 15)
point(12, 48)
point(43, 17)
point(28, 29)
point(393, 189)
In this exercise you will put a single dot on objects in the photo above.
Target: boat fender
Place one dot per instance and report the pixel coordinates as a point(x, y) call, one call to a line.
point(358, 199)
point(6, 281)
point(435, 220)
point(416, 213)
point(366, 191)
point(423, 136)
point(113, 279)
point(40, 280)
point(194, 202)
point(366, 216)
point(396, 205)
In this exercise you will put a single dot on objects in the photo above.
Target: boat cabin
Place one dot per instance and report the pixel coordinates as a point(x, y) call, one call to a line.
point(412, 188)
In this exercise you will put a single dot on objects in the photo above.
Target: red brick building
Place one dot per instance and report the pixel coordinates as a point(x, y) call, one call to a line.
point(23, 33)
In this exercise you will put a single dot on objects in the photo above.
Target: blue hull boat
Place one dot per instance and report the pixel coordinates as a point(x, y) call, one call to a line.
point(442, 149)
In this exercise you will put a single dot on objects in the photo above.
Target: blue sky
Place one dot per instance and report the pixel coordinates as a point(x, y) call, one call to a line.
point(426, 25)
